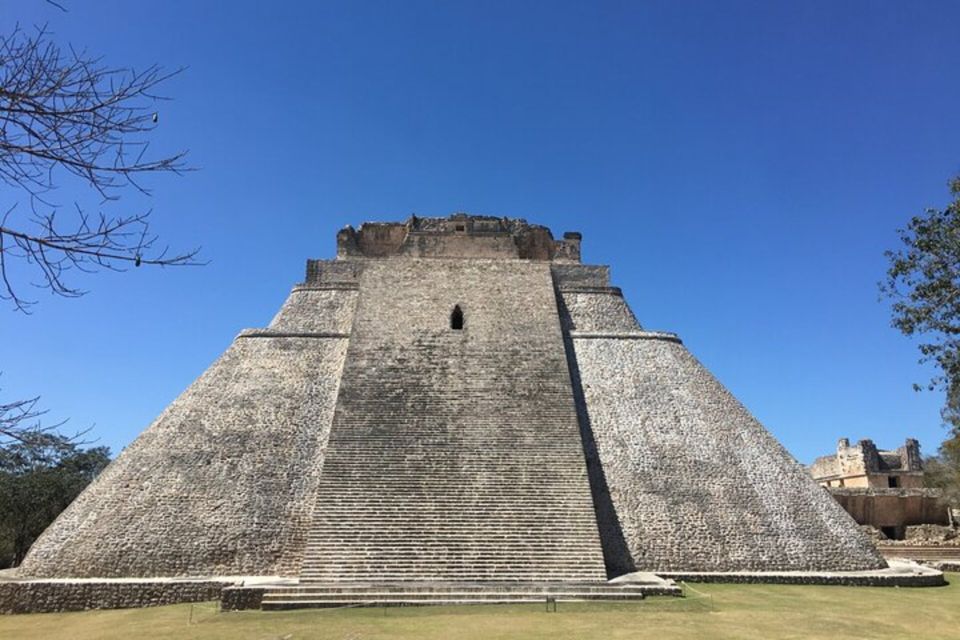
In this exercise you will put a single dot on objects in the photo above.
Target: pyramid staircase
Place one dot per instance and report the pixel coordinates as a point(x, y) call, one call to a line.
point(454, 469)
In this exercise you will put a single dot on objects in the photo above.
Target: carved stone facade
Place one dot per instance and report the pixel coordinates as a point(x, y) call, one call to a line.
point(882, 489)
point(863, 465)
point(372, 433)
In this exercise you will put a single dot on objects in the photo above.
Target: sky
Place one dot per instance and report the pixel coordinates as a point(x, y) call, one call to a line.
point(741, 166)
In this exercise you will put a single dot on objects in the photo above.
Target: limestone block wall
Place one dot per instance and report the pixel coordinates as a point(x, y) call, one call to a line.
point(596, 311)
point(317, 309)
point(49, 597)
point(223, 482)
point(893, 507)
point(684, 478)
point(455, 454)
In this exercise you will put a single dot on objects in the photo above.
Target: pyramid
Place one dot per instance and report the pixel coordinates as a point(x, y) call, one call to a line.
point(452, 399)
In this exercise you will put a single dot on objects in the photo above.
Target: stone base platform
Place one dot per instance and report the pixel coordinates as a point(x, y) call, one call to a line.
point(275, 593)
point(920, 553)
point(899, 573)
point(401, 594)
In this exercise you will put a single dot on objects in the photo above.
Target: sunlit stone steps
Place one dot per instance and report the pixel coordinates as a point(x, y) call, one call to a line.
point(454, 455)
point(411, 593)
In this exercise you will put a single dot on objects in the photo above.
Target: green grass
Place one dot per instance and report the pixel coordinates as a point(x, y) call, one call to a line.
point(725, 611)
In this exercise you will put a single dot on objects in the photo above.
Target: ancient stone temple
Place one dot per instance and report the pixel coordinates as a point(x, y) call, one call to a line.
point(881, 489)
point(452, 400)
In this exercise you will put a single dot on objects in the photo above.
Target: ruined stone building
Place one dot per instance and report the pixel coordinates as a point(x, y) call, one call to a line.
point(863, 465)
point(453, 399)
point(883, 489)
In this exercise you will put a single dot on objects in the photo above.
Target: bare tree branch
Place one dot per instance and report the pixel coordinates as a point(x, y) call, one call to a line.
point(63, 111)
point(20, 421)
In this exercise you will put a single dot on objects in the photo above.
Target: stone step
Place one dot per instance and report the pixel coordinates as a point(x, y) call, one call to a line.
point(435, 587)
point(428, 548)
point(415, 515)
point(468, 511)
point(465, 549)
point(365, 602)
point(452, 535)
point(481, 508)
point(487, 526)
point(498, 576)
point(434, 593)
point(405, 563)
point(345, 562)
point(429, 528)
point(479, 577)
point(449, 571)
point(363, 573)
point(457, 593)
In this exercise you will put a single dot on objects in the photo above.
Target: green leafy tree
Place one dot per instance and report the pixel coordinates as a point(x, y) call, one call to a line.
point(38, 480)
point(943, 470)
point(923, 281)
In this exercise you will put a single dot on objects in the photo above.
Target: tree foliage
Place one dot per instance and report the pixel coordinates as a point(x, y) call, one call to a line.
point(923, 281)
point(943, 471)
point(38, 480)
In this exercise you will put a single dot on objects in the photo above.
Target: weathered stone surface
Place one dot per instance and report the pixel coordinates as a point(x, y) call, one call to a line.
point(696, 482)
point(316, 310)
point(550, 438)
point(592, 311)
point(863, 466)
point(223, 483)
point(932, 534)
point(241, 598)
point(893, 509)
point(455, 454)
point(49, 597)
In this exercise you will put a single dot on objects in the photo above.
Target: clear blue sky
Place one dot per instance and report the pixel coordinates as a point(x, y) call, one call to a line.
point(741, 166)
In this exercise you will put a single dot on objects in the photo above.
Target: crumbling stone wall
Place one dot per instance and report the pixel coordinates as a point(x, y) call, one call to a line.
point(864, 466)
point(459, 236)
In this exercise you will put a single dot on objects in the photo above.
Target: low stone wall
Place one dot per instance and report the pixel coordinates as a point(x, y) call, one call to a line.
point(892, 507)
point(52, 596)
point(931, 579)
point(241, 598)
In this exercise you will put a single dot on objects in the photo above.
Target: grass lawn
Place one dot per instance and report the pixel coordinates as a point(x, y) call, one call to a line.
point(725, 611)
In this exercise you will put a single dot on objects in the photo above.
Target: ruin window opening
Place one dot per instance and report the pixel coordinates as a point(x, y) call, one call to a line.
point(893, 482)
point(456, 319)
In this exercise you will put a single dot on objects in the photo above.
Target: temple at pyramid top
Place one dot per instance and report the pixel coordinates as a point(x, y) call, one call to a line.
point(459, 236)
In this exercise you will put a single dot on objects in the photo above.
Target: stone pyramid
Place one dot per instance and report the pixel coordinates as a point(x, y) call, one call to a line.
point(452, 399)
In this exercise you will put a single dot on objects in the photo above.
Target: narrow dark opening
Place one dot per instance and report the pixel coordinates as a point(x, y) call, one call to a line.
point(890, 532)
point(456, 319)
point(893, 482)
